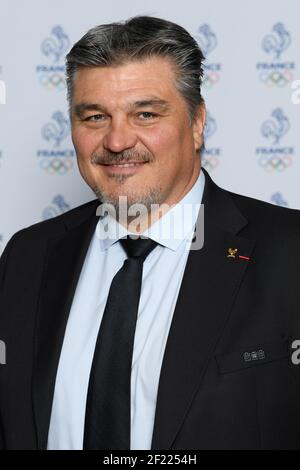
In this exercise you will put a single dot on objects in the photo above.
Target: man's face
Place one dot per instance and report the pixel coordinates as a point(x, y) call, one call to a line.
point(134, 113)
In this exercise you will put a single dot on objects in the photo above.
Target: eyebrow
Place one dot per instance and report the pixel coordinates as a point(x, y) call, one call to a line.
point(79, 109)
point(157, 103)
point(153, 102)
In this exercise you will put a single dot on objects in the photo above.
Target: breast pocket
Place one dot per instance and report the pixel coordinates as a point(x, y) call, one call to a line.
point(257, 355)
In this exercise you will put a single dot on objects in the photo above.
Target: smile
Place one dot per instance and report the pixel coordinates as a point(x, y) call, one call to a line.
point(123, 167)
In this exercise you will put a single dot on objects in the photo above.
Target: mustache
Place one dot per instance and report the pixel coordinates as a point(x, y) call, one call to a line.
point(127, 156)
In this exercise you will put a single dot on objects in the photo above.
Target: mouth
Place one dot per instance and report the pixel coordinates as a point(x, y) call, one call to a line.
point(123, 168)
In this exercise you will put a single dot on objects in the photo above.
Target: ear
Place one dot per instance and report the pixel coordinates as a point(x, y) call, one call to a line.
point(198, 126)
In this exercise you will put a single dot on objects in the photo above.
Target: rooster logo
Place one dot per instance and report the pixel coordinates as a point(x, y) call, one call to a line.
point(57, 45)
point(57, 131)
point(210, 126)
point(278, 199)
point(59, 206)
point(277, 127)
point(276, 42)
point(206, 39)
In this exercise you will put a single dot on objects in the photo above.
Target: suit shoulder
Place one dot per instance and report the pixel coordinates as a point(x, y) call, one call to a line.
point(55, 225)
point(267, 215)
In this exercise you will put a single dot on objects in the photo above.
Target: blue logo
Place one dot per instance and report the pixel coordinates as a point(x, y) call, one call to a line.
point(56, 46)
point(56, 160)
point(207, 40)
point(210, 155)
point(274, 156)
point(276, 73)
point(278, 200)
point(58, 130)
point(277, 42)
point(58, 206)
point(275, 127)
point(210, 126)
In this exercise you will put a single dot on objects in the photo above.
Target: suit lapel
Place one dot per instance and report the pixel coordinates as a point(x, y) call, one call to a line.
point(209, 286)
point(65, 256)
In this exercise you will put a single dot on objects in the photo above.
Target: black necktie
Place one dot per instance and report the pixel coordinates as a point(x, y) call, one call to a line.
point(107, 418)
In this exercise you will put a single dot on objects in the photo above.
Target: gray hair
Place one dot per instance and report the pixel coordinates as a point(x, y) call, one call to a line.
point(136, 39)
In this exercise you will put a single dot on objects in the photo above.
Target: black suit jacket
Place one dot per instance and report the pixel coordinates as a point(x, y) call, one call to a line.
point(227, 380)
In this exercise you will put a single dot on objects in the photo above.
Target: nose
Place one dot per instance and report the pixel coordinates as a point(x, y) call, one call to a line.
point(119, 137)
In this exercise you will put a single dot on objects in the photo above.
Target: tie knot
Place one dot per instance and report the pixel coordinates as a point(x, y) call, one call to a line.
point(138, 247)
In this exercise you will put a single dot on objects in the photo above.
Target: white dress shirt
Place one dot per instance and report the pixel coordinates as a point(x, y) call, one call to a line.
point(162, 276)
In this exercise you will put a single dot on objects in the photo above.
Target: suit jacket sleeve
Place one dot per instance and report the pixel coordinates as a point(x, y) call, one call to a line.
point(3, 265)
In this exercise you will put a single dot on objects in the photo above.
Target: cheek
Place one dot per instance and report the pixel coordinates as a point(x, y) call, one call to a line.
point(85, 143)
point(161, 142)
point(169, 145)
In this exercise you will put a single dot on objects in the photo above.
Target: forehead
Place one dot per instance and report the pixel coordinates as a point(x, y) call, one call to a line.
point(152, 77)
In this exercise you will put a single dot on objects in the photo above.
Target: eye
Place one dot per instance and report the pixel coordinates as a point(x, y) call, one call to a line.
point(146, 115)
point(95, 118)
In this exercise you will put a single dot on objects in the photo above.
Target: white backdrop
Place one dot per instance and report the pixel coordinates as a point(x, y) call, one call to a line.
point(252, 134)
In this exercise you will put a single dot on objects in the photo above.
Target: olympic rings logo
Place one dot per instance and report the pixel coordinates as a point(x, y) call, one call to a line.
point(276, 78)
point(275, 162)
point(59, 166)
point(54, 80)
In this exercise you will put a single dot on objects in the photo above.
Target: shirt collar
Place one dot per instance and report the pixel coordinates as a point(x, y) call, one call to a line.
point(170, 230)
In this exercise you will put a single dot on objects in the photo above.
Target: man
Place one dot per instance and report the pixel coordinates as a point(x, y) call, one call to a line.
point(176, 348)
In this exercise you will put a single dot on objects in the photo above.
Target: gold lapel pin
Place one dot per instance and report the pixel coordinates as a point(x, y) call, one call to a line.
point(232, 252)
